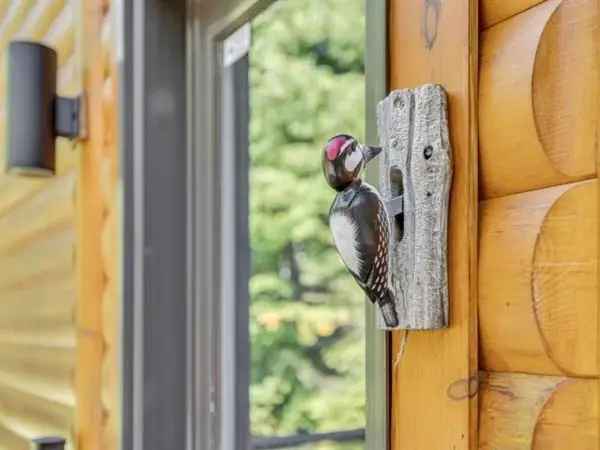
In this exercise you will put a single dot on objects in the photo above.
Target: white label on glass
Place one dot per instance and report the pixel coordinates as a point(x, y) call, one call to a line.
point(237, 45)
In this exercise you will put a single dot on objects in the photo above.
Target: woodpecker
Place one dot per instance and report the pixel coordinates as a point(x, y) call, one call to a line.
point(359, 221)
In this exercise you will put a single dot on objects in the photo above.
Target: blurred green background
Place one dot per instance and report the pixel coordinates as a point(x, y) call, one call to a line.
point(307, 314)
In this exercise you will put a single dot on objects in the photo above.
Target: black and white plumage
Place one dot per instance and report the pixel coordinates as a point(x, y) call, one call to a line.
point(359, 221)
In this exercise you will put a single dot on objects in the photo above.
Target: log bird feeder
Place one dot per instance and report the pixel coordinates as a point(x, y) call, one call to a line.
point(36, 115)
point(393, 241)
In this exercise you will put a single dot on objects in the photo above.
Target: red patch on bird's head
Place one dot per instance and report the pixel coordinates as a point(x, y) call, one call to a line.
point(334, 146)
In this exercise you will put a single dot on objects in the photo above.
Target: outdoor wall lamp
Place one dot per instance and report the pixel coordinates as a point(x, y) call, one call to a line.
point(394, 242)
point(48, 443)
point(36, 115)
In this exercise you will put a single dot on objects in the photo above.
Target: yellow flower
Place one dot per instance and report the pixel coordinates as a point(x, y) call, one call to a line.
point(270, 320)
point(325, 329)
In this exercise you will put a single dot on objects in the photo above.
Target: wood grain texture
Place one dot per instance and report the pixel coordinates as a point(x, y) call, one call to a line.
point(411, 123)
point(527, 412)
point(509, 406)
point(566, 88)
point(4, 4)
point(20, 273)
point(91, 411)
point(37, 291)
point(35, 309)
point(48, 210)
point(110, 185)
point(539, 98)
point(10, 440)
point(434, 372)
point(46, 374)
point(538, 282)
point(15, 16)
point(569, 419)
point(494, 11)
point(46, 22)
point(40, 18)
point(31, 415)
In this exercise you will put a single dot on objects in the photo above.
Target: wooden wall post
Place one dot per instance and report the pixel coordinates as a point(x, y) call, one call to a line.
point(98, 319)
point(434, 373)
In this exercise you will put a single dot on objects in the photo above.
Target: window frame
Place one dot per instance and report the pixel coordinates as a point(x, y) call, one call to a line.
point(174, 300)
point(378, 426)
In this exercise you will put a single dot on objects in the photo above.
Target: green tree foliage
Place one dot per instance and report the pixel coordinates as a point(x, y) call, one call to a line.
point(307, 314)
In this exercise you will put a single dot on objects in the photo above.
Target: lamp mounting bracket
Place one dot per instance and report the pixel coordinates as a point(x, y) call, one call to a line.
point(68, 117)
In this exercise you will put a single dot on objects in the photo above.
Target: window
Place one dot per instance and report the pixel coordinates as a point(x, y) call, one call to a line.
point(307, 372)
point(187, 276)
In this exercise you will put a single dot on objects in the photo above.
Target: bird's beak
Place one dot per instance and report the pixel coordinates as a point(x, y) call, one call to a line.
point(370, 152)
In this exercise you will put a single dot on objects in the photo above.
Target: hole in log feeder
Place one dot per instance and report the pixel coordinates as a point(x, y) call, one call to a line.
point(397, 189)
point(428, 152)
point(399, 102)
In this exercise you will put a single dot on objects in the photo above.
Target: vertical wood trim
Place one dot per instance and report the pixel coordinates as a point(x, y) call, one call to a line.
point(90, 221)
point(111, 239)
point(377, 356)
point(597, 56)
point(434, 373)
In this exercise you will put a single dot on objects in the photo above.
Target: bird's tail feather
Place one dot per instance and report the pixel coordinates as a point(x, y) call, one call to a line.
point(388, 309)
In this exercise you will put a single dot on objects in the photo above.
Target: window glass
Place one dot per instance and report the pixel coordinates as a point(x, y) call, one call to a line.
point(306, 312)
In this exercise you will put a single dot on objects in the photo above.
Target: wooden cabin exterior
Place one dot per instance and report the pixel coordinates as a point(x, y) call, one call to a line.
point(60, 260)
point(518, 369)
point(108, 290)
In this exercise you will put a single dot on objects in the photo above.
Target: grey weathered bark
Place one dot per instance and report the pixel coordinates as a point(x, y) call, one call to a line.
point(416, 163)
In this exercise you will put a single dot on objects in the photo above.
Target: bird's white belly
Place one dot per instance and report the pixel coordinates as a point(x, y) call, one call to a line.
point(345, 234)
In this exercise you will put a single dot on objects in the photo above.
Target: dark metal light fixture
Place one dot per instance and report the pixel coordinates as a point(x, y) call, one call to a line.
point(35, 114)
point(48, 443)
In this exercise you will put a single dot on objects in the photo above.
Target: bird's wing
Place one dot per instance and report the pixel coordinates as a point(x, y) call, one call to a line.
point(358, 245)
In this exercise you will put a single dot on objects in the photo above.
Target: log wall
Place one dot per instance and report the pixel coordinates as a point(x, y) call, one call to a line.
point(538, 225)
point(538, 98)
